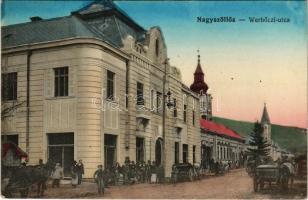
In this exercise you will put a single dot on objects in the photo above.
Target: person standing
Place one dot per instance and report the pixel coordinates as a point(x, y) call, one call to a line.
point(57, 174)
point(41, 184)
point(99, 179)
point(80, 171)
point(74, 171)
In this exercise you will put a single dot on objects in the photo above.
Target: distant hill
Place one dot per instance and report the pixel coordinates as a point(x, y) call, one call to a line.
point(292, 139)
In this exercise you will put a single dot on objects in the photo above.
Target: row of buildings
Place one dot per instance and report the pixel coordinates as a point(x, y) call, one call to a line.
point(97, 86)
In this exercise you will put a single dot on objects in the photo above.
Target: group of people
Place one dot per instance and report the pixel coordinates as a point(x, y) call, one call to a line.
point(129, 173)
point(220, 167)
point(77, 170)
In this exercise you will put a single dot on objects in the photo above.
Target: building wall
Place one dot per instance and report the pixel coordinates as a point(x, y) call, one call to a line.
point(74, 113)
point(85, 111)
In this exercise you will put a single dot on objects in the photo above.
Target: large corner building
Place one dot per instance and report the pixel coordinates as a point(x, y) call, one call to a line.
point(90, 86)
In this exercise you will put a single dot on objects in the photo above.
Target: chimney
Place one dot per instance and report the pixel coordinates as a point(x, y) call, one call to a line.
point(35, 19)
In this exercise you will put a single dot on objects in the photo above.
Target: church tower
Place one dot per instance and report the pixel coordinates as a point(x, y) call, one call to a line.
point(266, 124)
point(201, 88)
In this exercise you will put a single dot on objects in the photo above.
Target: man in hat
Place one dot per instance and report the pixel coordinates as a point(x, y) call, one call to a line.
point(80, 171)
point(99, 179)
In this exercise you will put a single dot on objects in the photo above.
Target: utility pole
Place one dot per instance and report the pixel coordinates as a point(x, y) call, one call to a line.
point(164, 116)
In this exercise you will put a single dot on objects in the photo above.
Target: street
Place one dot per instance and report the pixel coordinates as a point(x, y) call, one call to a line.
point(233, 185)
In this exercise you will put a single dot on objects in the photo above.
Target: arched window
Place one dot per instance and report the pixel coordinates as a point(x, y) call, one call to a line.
point(157, 47)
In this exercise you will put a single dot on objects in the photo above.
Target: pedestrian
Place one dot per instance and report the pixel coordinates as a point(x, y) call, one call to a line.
point(153, 172)
point(126, 172)
point(74, 171)
point(57, 174)
point(148, 171)
point(80, 171)
point(41, 184)
point(99, 179)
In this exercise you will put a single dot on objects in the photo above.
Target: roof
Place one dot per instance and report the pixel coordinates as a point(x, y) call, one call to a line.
point(98, 7)
point(111, 28)
point(218, 129)
point(265, 117)
point(199, 84)
point(47, 30)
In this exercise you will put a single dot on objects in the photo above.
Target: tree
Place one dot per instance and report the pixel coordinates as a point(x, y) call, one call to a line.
point(259, 148)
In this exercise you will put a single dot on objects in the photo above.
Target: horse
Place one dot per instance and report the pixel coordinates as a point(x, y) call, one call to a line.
point(24, 177)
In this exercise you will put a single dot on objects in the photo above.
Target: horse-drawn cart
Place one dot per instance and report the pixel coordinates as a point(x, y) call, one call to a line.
point(277, 174)
point(185, 171)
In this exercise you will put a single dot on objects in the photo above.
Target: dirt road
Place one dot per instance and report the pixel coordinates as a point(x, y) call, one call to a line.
point(233, 185)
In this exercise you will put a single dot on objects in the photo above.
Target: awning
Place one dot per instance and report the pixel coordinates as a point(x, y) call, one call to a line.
point(18, 151)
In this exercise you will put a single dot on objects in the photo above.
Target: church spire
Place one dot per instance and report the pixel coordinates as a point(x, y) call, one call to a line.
point(265, 117)
point(199, 85)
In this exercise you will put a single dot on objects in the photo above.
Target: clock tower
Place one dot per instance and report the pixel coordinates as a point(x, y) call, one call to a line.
point(201, 88)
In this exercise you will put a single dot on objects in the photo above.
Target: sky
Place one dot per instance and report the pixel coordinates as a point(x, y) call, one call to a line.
point(245, 64)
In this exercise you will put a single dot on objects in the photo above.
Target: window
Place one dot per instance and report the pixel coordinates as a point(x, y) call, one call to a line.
point(185, 153)
point(140, 99)
point(157, 47)
point(194, 153)
point(184, 113)
point(9, 86)
point(61, 81)
point(110, 85)
point(176, 152)
point(159, 102)
point(139, 149)
point(152, 100)
point(193, 117)
point(9, 139)
point(175, 112)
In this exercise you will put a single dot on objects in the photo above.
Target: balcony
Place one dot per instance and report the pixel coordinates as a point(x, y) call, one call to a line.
point(179, 123)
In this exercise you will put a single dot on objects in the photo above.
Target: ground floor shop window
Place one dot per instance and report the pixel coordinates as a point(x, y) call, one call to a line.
point(10, 138)
point(176, 152)
point(110, 150)
point(185, 153)
point(139, 149)
point(61, 150)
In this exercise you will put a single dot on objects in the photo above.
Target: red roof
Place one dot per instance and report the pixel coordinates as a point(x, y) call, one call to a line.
point(218, 129)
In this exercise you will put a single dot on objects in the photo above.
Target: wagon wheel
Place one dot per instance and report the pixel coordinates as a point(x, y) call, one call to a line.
point(191, 175)
point(284, 179)
point(255, 184)
point(24, 192)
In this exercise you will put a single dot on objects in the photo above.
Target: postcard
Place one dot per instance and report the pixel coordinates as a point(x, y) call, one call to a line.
point(154, 99)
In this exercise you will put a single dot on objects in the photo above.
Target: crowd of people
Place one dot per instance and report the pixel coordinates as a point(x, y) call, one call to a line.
point(131, 172)
point(128, 173)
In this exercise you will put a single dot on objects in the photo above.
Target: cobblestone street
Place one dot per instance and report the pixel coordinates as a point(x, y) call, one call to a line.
point(235, 184)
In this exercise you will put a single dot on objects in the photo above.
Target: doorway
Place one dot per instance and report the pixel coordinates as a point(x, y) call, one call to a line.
point(139, 149)
point(61, 150)
point(110, 150)
point(158, 151)
point(185, 153)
